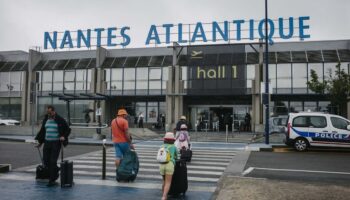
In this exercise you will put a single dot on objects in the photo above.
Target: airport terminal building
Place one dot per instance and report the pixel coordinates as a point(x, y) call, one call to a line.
point(163, 83)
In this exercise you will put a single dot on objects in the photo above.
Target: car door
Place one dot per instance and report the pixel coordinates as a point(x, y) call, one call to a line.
point(300, 127)
point(319, 129)
point(340, 134)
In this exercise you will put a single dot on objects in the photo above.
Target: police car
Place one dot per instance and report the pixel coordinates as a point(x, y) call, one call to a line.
point(317, 129)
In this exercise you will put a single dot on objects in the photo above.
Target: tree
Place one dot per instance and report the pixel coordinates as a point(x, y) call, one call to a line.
point(337, 86)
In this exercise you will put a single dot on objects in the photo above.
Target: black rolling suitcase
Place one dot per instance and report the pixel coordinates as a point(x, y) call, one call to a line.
point(186, 154)
point(179, 183)
point(42, 172)
point(66, 172)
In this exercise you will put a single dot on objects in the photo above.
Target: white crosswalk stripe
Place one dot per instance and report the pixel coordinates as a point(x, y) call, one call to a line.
point(204, 171)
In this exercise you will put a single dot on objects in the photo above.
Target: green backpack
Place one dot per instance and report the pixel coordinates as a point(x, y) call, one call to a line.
point(129, 167)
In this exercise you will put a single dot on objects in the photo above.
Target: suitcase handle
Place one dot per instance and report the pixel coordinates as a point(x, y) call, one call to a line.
point(41, 157)
point(62, 147)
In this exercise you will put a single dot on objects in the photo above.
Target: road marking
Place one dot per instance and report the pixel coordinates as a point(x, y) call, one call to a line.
point(112, 174)
point(153, 158)
point(142, 185)
point(247, 171)
point(250, 169)
point(86, 160)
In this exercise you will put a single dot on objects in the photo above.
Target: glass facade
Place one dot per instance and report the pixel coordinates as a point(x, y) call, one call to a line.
point(10, 94)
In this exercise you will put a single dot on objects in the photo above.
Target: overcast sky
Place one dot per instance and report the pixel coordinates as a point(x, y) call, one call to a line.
point(23, 22)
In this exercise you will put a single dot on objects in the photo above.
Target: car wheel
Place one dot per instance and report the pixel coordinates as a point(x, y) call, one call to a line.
point(2, 124)
point(301, 144)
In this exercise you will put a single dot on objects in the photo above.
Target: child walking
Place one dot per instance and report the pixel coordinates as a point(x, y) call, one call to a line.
point(167, 168)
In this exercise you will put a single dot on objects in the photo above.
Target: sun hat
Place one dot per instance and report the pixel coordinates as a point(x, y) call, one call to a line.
point(169, 136)
point(122, 112)
point(183, 117)
point(183, 127)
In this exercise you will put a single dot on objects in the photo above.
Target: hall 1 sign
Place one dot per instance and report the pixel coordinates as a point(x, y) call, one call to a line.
point(216, 72)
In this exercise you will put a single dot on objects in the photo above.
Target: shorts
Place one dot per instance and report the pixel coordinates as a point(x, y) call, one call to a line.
point(167, 169)
point(120, 149)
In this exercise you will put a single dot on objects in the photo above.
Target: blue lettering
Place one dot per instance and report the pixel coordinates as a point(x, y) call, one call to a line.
point(224, 34)
point(110, 36)
point(86, 39)
point(180, 40)
point(167, 32)
point(251, 29)
point(199, 27)
point(271, 30)
point(238, 22)
point(67, 39)
point(153, 35)
point(281, 28)
point(98, 36)
point(126, 37)
point(52, 41)
point(302, 27)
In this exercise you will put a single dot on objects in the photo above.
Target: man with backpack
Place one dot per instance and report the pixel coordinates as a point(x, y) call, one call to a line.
point(180, 122)
point(121, 136)
point(53, 133)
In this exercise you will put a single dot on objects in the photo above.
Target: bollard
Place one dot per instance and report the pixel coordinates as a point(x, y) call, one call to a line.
point(104, 159)
point(226, 133)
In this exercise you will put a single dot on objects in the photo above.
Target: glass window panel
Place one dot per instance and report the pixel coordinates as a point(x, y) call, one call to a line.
point(143, 61)
point(107, 62)
point(79, 86)
point(296, 106)
point(61, 64)
point(43, 102)
point(16, 79)
point(324, 106)
point(117, 74)
point(4, 81)
point(339, 123)
point(154, 85)
point(318, 68)
point(59, 86)
point(272, 77)
point(299, 77)
point(68, 76)
point(80, 75)
point(345, 67)
point(344, 55)
point(300, 121)
point(284, 79)
point(329, 69)
point(318, 122)
point(129, 74)
point(250, 75)
point(58, 76)
point(155, 73)
point(314, 56)
point(142, 73)
point(108, 74)
point(310, 106)
point(47, 76)
point(15, 108)
point(330, 56)
point(184, 76)
point(129, 85)
point(116, 85)
point(152, 112)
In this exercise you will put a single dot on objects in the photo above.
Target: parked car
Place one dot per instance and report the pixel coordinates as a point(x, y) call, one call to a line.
point(317, 129)
point(277, 124)
point(9, 122)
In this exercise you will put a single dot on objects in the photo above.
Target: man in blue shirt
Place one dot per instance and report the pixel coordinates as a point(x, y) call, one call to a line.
point(54, 131)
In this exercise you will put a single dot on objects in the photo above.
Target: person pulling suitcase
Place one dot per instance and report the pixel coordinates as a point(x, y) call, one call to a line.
point(167, 154)
point(54, 131)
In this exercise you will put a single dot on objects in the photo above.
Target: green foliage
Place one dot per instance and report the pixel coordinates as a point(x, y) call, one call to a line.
point(338, 87)
point(315, 85)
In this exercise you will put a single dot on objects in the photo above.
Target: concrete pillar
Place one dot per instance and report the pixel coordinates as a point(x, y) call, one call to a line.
point(101, 54)
point(24, 97)
point(34, 58)
point(174, 99)
point(257, 107)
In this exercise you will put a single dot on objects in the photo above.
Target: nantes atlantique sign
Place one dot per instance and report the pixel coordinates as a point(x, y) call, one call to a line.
point(215, 32)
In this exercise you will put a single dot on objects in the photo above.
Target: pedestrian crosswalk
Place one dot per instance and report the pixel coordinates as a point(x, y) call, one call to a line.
point(205, 169)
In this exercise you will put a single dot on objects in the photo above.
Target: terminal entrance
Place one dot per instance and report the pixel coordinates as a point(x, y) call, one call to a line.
point(216, 118)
